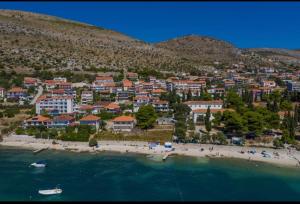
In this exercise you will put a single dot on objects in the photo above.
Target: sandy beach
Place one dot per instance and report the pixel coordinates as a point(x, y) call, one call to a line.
point(281, 157)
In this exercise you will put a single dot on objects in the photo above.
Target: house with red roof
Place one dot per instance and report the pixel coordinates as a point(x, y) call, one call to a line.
point(157, 92)
point(62, 121)
point(132, 76)
point(37, 121)
point(90, 120)
point(65, 85)
point(30, 82)
point(113, 108)
point(123, 123)
point(50, 84)
point(16, 93)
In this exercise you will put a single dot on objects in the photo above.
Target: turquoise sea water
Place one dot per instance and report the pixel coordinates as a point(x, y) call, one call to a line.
point(125, 177)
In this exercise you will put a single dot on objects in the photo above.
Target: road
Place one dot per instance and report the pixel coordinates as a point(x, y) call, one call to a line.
point(39, 93)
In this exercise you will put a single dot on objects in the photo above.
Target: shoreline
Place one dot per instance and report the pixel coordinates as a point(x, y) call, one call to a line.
point(285, 158)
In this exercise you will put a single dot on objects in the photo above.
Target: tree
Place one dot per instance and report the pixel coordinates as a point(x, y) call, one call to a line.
point(217, 118)
point(233, 100)
point(189, 95)
point(146, 117)
point(96, 97)
point(286, 105)
point(277, 143)
point(271, 120)
point(296, 115)
point(180, 133)
point(219, 138)
point(233, 122)
point(93, 142)
point(205, 138)
point(183, 96)
point(181, 111)
point(191, 125)
point(253, 121)
point(207, 120)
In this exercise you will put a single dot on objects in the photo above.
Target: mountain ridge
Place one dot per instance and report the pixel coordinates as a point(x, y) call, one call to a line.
point(37, 41)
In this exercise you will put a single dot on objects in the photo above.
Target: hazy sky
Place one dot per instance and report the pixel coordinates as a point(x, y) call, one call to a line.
point(245, 24)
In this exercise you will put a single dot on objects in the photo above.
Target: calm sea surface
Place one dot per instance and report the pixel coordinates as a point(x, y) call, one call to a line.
point(125, 177)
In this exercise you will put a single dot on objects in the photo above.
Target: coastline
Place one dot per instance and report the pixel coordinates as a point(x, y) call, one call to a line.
point(285, 158)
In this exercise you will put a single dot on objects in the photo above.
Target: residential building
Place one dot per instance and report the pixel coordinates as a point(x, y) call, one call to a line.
point(268, 83)
point(157, 92)
point(161, 106)
point(104, 79)
point(113, 108)
point(60, 79)
point(37, 121)
point(50, 84)
point(90, 120)
point(30, 82)
point(215, 104)
point(62, 121)
point(65, 85)
point(132, 76)
point(123, 96)
point(199, 114)
point(123, 123)
point(16, 93)
point(140, 101)
point(293, 86)
point(86, 97)
point(57, 104)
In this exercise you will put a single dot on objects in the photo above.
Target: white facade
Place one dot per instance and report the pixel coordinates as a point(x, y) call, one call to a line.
point(60, 79)
point(61, 104)
point(2, 93)
point(86, 97)
point(204, 104)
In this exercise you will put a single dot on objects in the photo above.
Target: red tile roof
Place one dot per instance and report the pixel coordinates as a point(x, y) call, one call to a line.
point(112, 106)
point(16, 90)
point(123, 118)
point(127, 83)
point(90, 118)
point(38, 118)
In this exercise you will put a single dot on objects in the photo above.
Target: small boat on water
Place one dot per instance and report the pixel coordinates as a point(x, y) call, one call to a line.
point(39, 164)
point(50, 191)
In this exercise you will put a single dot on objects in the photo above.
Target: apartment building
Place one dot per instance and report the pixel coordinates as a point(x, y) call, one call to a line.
point(58, 104)
point(86, 97)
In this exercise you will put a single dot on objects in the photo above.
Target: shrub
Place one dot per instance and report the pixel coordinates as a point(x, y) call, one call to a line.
point(93, 142)
point(20, 131)
point(278, 143)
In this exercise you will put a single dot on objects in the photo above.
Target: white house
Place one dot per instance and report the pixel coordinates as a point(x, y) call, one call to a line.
point(215, 104)
point(123, 123)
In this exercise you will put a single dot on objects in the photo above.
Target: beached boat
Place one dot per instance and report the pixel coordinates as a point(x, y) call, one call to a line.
point(50, 191)
point(39, 164)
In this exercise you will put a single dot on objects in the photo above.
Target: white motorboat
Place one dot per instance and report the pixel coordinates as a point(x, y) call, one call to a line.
point(50, 191)
point(39, 164)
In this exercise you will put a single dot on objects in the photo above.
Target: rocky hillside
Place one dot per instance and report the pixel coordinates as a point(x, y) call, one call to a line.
point(33, 41)
point(202, 49)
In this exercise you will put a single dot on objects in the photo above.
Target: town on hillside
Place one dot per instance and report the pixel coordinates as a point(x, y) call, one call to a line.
point(232, 106)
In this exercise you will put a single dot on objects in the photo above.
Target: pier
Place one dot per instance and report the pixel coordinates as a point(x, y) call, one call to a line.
point(39, 150)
